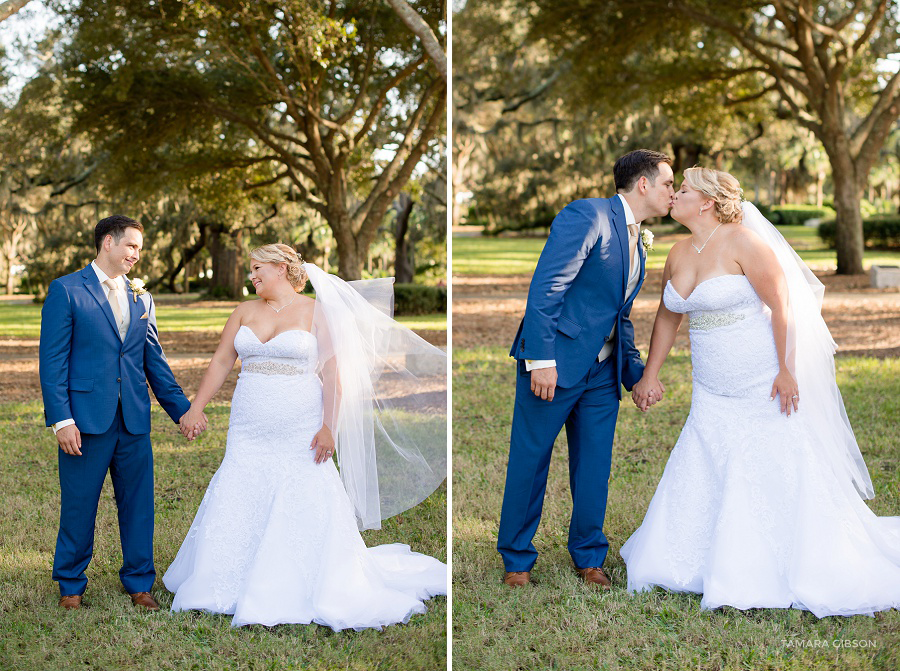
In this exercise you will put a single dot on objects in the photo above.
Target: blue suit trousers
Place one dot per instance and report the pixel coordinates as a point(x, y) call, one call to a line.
point(588, 410)
point(129, 460)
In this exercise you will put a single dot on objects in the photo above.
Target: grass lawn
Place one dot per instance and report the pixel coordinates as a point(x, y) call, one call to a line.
point(558, 623)
point(109, 633)
point(24, 321)
point(515, 255)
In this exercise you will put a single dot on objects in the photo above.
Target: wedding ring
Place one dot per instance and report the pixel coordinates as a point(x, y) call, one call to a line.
point(795, 397)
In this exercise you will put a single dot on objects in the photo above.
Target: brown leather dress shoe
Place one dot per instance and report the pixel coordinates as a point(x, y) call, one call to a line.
point(594, 576)
point(145, 600)
point(70, 602)
point(517, 578)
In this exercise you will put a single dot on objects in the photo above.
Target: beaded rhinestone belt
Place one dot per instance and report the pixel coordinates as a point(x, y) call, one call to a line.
point(716, 320)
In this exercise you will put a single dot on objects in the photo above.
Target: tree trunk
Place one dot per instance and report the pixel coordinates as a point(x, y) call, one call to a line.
point(404, 266)
point(350, 260)
point(848, 238)
point(11, 251)
point(685, 155)
point(186, 286)
point(10, 278)
point(227, 252)
point(352, 245)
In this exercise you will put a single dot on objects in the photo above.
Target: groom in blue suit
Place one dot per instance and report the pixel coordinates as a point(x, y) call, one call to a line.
point(99, 348)
point(575, 350)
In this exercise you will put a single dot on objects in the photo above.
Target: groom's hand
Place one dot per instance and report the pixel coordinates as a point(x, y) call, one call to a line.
point(543, 382)
point(646, 393)
point(69, 438)
point(192, 424)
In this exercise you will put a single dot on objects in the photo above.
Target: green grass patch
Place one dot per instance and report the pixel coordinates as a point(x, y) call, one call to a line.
point(108, 633)
point(24, 321)
point(487, 255)
point(558, 623)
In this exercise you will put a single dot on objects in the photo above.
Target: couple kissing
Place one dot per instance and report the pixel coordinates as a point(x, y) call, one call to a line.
point(760, 504)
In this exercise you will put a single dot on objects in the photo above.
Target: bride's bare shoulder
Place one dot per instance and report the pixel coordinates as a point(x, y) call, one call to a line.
point(679, 248)
point(248, 307)
point(306, 302)
point(742, 236)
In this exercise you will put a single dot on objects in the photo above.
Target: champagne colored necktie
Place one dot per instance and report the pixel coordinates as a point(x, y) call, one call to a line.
point(633, 234)
point(114, 292)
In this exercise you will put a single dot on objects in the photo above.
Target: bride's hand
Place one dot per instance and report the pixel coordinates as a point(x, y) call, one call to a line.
point(647, 392)
point(323, 444)
point(785, 387)
point(193, 423)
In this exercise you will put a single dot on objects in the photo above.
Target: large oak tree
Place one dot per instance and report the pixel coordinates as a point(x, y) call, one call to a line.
point(819, 64)
point(337, 100)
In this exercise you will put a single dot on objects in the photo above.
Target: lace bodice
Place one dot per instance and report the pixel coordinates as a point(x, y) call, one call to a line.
point(723, 293)
point(732, 346)
point(293, 352)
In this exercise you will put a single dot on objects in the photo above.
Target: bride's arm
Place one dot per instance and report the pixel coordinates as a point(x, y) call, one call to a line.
point(761, 267)
point(331, 387)
point(665, 328)
point(323, 442)
point(219, 367)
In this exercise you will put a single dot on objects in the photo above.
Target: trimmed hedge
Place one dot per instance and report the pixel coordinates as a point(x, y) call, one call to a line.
point(797, 215)
point(419, 299)
point(409, 299)
point(879, 232)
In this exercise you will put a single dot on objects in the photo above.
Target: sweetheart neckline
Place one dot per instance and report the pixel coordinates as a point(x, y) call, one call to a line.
point(244, 326)
point(709, 279)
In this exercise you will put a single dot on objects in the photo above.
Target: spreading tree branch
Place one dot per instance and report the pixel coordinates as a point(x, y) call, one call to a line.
point(10, 7)
point(423, 31)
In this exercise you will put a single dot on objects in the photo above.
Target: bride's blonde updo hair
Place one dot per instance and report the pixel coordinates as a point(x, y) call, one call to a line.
point(723, 188)
point(279, 253)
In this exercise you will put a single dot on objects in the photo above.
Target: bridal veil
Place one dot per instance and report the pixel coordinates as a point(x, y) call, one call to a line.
point(385, 397)
point(810, 354)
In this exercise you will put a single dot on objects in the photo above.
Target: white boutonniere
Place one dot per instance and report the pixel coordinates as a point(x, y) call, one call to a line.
point(137, 288)
point(647, 239)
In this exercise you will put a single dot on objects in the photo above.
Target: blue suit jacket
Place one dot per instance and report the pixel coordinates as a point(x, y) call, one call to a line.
point(577, 293)
point(85, 367)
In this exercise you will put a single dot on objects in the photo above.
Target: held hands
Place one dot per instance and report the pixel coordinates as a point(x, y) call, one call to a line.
point(69, 438)
point(323, 444)
point(785, 387)
point(193, 423)
point(647, 392)
point(543, 382)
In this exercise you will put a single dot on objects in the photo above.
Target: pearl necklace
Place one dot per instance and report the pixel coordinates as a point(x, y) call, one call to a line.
point(700, 249)
point(277, 310)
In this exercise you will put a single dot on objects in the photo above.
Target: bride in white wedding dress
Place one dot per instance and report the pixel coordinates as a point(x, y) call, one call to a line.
point(760, 504)
point(276, 537)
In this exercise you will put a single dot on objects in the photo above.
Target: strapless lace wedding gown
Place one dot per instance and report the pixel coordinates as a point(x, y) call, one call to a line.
point(275, 538)
point(746, 512)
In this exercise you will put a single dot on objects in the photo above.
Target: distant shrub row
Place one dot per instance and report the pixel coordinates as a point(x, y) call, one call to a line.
point(409, 299)
point(881, 231)
point(795, 215)
point(419, 299)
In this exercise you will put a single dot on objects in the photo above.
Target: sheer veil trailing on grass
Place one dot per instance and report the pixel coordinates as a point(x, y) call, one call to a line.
point(811, 355)
point(388, 412)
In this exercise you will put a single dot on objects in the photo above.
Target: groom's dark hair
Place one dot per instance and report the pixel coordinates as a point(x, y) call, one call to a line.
point(114, 226)
point(636, 164)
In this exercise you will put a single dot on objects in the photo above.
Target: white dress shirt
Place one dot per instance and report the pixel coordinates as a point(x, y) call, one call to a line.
point(633, 277)
point(123, 327)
